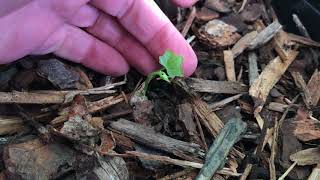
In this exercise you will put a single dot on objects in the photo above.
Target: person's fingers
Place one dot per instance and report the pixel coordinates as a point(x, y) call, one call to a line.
point(23, 28)
point(64, 8)
point(85, 16)
point(26, 24)
point(147, 23)
point(184, 3)
point(11, 6)
point(110, 31)
point(78, 46)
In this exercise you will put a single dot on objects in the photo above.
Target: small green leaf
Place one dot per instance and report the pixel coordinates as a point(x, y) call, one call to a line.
point(163, 76)
point(172, 63)
point(160, 73)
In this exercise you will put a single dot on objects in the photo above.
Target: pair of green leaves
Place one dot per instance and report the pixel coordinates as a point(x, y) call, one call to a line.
point(172, 64)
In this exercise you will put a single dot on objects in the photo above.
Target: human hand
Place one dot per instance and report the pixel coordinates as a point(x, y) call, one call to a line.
point(93, 33)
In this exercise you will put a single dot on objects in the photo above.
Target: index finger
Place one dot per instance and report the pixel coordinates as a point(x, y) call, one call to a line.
point(147, 23)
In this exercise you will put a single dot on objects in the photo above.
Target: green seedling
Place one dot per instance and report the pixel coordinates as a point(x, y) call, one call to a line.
point(172, 64)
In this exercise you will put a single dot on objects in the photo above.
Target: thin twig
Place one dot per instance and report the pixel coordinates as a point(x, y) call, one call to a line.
point(52, 97)
point(29, 120)
point(224, 102)
point(305, 33)
point(246, 172)
point(272, 167)
point(239, 77)
point(243, 5)
point(229, 65)
point(168, 160)
point(191, 38)
point(201, 133)
point(284, 175)
point(189, 22)
point(253, 67)
point(300, 26)
point(274, 148)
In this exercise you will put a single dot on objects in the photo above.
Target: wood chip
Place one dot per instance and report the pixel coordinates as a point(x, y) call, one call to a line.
point(218, 5)
point(186, 118)
point(252, 12)
point(313, 88)
point(147, 136)
point(31, 98)
point(52, 97)
point(304, 127)
point(225, 87)
point(36, 160)
point(253, 67)
point(275, 106)
point(104, 103)
point(219, 150)
point(10, 125)
point(206, 14)
point(93, 107)
point(229, 65)
point(315, 173)
point(58, 73)
point(270, 75)
point(305, 157)
point(281, 40)
point(301, 84)
point(218, 34)
point(168, 160)
point(303, 40)
point(243, 43)
point(165, 159)
point(265, 35)
point(208, 118)
point(280, 126)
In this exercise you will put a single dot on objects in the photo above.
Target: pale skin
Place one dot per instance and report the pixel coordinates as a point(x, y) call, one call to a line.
point(108, 36)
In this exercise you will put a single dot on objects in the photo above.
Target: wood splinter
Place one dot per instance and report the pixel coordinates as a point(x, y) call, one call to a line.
point(229, 65)
point(271, 74)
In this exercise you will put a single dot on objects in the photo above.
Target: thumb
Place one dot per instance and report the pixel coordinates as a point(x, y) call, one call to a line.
point(184, 3)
